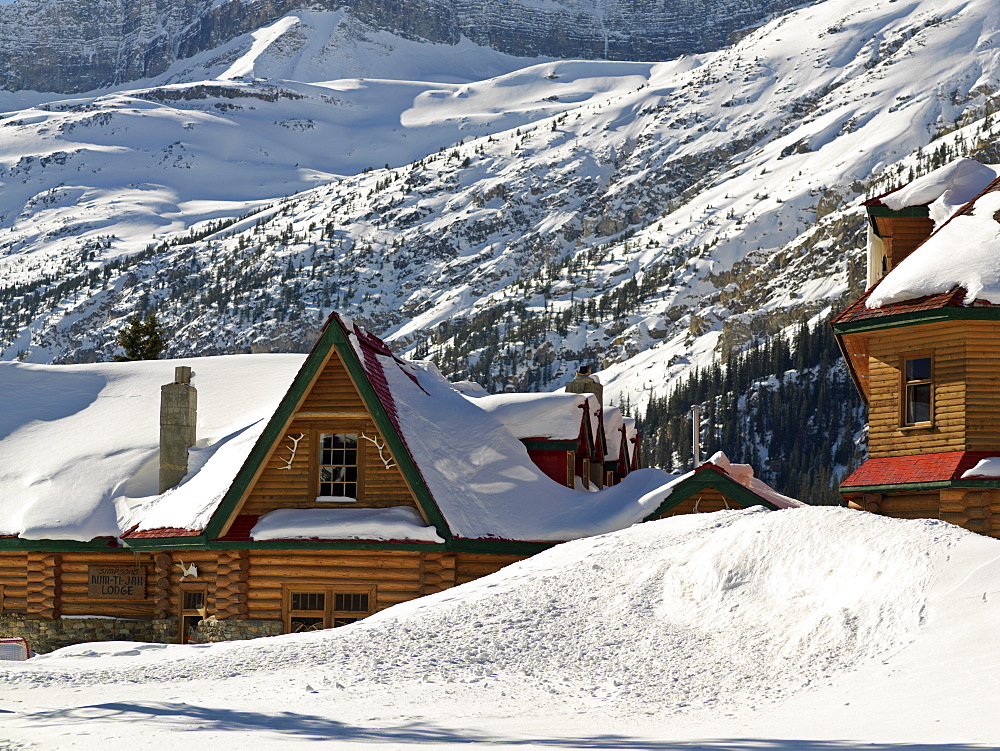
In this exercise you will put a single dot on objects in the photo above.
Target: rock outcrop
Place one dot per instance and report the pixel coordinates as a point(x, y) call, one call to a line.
point(73, 46)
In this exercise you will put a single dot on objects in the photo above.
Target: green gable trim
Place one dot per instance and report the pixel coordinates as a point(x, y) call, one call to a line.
point(922, 212)
point(332, 338)
point(937, 315)
point(195, 542)
point(58, 546)
point(399, 451)
point(936, 485)
point(709, 478)
point(550, 445)
point(509, 547)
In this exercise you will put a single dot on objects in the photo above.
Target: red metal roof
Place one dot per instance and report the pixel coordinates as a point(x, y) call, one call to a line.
point(899, 470)
point(163, 532)
point(239, 531)
point(857, 311)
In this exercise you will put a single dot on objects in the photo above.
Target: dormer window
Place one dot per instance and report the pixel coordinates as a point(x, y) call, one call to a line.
point(338, 467)
point(917, 390)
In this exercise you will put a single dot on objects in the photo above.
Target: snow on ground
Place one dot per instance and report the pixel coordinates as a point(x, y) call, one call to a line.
point(813, 628)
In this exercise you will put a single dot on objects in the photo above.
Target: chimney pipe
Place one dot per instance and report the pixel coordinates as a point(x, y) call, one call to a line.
point(696, 435)
point(178, 420)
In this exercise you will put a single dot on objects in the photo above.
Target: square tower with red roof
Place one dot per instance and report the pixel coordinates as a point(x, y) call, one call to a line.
point(923, 348)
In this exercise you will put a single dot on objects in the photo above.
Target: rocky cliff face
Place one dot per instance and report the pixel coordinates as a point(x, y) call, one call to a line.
point(79, 45)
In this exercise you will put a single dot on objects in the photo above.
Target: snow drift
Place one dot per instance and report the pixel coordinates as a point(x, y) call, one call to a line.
point(693, 612)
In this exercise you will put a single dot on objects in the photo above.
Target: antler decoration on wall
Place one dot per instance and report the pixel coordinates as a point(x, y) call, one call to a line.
point(293, 446)
point(380, 445)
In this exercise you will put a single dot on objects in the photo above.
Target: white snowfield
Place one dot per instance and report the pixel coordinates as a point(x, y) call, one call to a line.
point(815, 628)
point(964, 251)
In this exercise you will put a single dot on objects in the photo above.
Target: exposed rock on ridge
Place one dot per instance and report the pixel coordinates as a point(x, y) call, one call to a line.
point(79, 45)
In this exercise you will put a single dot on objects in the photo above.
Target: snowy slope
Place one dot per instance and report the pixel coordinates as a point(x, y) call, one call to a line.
point(810, 628)
point(646, 216)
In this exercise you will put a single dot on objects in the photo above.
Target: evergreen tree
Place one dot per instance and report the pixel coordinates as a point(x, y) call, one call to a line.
point(142, 339)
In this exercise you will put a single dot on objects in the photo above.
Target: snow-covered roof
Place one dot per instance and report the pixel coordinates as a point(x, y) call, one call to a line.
point(79, 444)
point(944, 190)
point(79, 452)
point(614, 429)
point(744, 475)
point(556, 416)
point(964, 249)
point(479, 472)
point(400, 523)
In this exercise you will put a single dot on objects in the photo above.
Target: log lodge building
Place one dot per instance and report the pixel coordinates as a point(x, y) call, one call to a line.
point(368, 481)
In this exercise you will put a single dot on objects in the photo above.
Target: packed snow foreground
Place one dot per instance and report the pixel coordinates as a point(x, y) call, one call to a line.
point(702, 618)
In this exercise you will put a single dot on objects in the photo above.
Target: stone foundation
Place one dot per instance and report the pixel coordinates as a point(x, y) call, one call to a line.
point(231, 629)
point(45, 635)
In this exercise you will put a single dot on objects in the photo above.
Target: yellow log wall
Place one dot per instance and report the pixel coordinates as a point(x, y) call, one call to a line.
point(982, 356)
point(703, 502)
point(946, 343)
point(279, 486)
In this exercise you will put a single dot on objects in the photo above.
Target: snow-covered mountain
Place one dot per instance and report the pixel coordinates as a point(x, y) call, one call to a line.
point(647, 216)
point(80, 45)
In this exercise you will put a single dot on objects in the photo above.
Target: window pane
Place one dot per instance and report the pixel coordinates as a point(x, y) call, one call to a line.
point(308, 601)
point(918, 369)
point(194, 600)
point(299, 623)
point(918, 403)
point(351, 603)
point(326, 440)
point(338, 621)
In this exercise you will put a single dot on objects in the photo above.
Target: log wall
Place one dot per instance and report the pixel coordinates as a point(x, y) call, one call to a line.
point(74, 583)
point(947, 344)
point(982, 410)
point(902, 235)
point(974, 509)
point(13, 567)
point(396, 576)
point(703, 502)
point(471, 566)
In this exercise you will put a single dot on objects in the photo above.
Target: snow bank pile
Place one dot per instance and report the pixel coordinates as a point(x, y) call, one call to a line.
point(692, 612)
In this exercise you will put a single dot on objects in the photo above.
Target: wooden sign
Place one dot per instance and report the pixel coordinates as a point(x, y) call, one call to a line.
point(116, 582)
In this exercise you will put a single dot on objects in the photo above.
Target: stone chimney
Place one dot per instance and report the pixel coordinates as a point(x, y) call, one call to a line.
point(585, 383)
point(178, 419)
